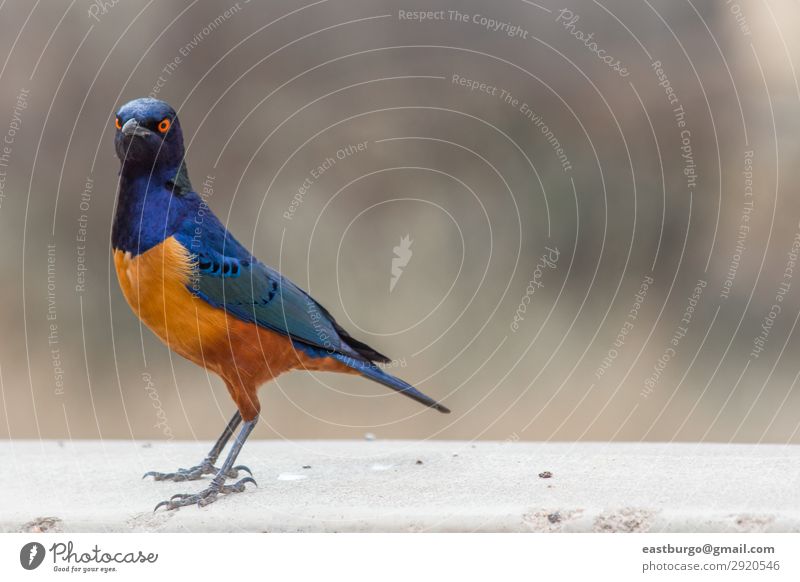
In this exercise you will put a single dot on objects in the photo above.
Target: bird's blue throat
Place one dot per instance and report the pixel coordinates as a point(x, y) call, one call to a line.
point(153, 204)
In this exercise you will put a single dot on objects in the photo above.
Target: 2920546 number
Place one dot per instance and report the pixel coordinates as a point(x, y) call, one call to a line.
point(754, 565)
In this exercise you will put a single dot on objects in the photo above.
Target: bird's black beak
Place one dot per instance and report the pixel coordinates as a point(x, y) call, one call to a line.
point(132, 128)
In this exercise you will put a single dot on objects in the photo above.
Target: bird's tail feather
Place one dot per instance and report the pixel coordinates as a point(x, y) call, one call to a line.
point(375, 373)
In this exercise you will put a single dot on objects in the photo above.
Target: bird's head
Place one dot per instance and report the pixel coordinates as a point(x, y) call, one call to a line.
point(148, 134)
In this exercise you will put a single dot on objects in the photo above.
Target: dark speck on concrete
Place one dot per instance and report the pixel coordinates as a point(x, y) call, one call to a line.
point(306, 466)
point(554, 517)
point(419, 462)
point(545, 475)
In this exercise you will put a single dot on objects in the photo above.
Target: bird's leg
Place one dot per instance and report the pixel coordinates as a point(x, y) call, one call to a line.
point(206, 467)
point(210, 493)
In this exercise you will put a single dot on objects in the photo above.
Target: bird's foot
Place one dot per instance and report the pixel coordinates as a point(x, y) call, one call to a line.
point(196, 472)
point(208, 495)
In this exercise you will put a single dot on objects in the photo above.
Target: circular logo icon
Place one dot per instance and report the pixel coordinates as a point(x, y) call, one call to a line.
point(31, 555)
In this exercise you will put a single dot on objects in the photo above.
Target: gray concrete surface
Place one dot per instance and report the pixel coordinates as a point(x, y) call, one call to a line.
point(409, 486)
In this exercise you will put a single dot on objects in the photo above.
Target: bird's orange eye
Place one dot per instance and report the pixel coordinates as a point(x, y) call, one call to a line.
point(164, 126)
point(118, 123)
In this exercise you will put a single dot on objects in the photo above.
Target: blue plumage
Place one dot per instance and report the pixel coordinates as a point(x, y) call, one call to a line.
point(157, 202)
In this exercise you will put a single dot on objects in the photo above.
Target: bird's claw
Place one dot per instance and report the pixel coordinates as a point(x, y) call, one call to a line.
point(207, 496)
point(196, 472)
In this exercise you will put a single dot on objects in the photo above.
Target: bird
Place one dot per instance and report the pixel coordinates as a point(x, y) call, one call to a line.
point(209, 299)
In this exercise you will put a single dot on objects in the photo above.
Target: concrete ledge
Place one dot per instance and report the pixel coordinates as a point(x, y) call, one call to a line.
point(409, 486)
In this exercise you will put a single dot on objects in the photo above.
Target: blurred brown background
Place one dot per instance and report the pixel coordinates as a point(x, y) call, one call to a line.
point(577, 149)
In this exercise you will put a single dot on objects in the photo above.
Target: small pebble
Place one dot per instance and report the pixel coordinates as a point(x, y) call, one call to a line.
point(306, 466)
point(419, 462)
point(545, 474)
point(291, 477)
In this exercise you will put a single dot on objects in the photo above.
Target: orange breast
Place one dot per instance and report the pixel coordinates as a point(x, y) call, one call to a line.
point(154, 284)
point(244, 354)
